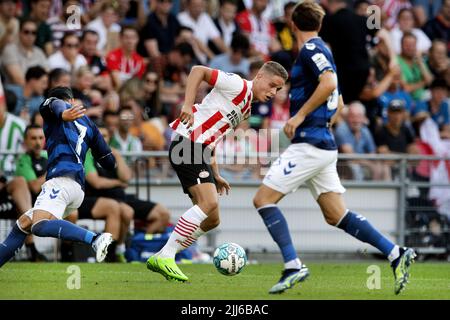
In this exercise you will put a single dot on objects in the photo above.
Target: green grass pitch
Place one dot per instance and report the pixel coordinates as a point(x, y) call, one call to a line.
point(328, 280)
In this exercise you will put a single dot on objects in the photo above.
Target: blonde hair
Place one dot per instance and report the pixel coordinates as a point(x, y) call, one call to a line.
point(276, 69)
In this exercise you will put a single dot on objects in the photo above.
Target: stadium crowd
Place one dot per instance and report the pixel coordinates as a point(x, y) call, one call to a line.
point(127, 62)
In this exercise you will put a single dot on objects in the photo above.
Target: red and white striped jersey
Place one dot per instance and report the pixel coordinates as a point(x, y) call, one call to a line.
point(221, 110)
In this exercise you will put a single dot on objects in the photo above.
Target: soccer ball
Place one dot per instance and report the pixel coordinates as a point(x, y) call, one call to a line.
point(229, 259)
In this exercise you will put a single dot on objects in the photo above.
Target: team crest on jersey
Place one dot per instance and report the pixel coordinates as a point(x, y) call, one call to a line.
point(203, 174)
point(310, 46)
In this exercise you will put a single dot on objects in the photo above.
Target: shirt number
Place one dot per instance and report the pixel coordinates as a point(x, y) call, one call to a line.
point(82, 133)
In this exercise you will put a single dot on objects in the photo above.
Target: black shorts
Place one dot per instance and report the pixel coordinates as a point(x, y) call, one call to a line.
point(141, 208)
point(8, 210)
point(85, 210)
point(191, 161)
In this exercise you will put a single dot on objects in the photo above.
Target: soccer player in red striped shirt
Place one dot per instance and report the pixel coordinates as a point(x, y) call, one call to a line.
point(197, 131)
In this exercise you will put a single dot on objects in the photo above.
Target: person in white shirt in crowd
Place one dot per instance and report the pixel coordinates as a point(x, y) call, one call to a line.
point(203, 27)
point(406, 23)
point(68, 56)
point(107, 28)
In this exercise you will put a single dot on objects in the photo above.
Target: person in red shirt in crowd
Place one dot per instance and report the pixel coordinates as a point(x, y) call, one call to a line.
point(260, 30)
point(124, 62)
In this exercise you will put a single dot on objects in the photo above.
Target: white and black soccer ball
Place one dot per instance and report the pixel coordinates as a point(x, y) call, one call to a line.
point(229, 259)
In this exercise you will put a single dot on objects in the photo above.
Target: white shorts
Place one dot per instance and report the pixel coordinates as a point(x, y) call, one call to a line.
point(305, 163)
point(59, 196)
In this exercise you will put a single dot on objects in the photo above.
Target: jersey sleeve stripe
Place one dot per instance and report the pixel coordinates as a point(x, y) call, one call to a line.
point(175, 124)
point(241, 95)
point(214, 76)
point(216, 117)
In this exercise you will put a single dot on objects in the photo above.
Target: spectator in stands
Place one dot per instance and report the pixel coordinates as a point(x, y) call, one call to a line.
point(111, 185)
point(280, 115)
point(150, 135)
point(89, 41)
point(259, 29)
point(425, 10)
point(196, 18)
point(111, 122)
point(40, 12)
point(122, 140)
point(152, 106)
point(395, 136)
point(158, 35)
point(360, 7)
point(406, 24)
point(438, 60)
point(59, 78)
point(390, 10)
point(372, 91)
point(31, 95)
point(225, 21)
point(37, 120)
point(353, 136)
point(15, 199)
point(438, 107)
point(9, 24)
point(17, 57)
point(68, 56)
point(343, 29)
point(63, 23)
point(395, 92)
point(106, 27)
point(439, 26)
point(83, 90)
point(283, 27)
point(236, 60)
point(175, 72)
point(11, 131)
point(124, 62)
point(97, 64)
point(415, 74)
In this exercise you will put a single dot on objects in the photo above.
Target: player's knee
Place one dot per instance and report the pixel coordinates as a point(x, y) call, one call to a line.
point(209, 205)
point(331, 220)
point(24, 223)
point(114, 211)
point(18, 183)
point(164, 215)
point(258, 201)
point(127, 213)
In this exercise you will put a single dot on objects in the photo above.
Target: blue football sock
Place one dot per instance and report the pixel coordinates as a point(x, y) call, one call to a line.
point(358, 227)
point(12, 243)
point(62, 229)
point(278, 228)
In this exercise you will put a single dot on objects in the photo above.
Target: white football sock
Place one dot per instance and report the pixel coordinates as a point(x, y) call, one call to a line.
point(185, 233)
point(395, 253)
point(293, 264)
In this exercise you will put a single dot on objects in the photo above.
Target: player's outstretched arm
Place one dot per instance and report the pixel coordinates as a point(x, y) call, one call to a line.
point(73, 113)
point(195, 78)
point(327, 84)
